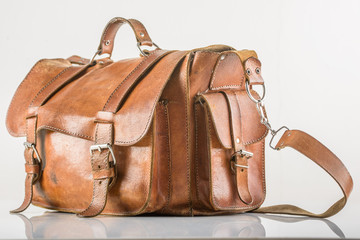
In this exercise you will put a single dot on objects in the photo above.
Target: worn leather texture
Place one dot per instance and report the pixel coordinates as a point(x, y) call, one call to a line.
point(170, 132)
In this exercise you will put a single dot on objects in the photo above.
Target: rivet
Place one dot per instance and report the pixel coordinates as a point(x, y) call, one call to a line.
point(101, 62)
point(237, 140)
point(142, 34)
point(281, 144)
point(222, 57)
point(248, 71)
point(107, 42)
point(257, 70)
point(289, 134)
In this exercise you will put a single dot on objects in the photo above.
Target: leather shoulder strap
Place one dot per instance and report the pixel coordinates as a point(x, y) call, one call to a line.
point(321, 155)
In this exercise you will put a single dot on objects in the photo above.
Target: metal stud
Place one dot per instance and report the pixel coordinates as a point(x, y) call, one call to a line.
point(248, 71)
point(257, 70)
point(237, 140)
point(142, 34)
point(107, 42)
point(222, 57)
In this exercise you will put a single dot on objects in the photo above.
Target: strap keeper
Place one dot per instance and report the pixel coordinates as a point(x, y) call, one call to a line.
point(104, 117)
point(32, 168)
point(103, 173)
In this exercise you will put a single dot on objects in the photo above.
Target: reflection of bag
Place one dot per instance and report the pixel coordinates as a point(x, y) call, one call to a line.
point(171, 132)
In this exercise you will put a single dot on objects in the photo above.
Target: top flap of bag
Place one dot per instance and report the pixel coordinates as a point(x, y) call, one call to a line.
point(38, 77)
point(74, 108)
point(251, 129)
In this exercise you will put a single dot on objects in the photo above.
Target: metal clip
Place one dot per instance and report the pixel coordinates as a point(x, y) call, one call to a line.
point(99, 147)
point(273, 133)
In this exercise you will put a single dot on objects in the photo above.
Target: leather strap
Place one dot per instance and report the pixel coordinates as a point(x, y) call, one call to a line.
point(100, 163)
point(115, 99)
point(32, 164)
point(321, 155)
point(103, 171)
point(239, 161)
point(32, 157)
point(109, 33)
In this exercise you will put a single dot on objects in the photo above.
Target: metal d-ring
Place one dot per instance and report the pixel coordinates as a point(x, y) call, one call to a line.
point(142, 51)
point(251, 96)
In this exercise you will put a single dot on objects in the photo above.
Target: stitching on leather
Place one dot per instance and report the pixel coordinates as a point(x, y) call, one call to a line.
point(107, 28)
point(25, 80)
point(169, 193)
point(94, 181)
point(187, 109)
point(127, 77)
point(196, 150)
point(66, 132)
point(215, 71)
point(48, 84)
point(211, 194)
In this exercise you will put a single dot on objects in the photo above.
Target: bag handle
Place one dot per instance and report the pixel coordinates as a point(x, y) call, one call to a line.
point(321, 155)
point(107, 38)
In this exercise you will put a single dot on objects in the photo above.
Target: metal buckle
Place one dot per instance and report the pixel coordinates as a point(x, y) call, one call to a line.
point(242, 153)
point(32, 145)
point(251, 96)
point(99, 147)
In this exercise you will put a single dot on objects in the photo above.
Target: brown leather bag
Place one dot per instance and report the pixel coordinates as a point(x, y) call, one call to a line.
point(170, 132)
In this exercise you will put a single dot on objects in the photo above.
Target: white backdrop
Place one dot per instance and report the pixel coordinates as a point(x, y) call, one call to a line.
point(309, 50)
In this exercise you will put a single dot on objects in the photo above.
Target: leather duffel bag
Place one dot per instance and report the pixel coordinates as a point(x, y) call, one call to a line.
point(170, 132)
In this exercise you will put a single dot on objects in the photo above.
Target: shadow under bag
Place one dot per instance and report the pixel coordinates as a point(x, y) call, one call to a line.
point(170, 132)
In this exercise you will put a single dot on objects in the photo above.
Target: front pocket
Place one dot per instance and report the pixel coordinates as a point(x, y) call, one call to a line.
point(228, 131)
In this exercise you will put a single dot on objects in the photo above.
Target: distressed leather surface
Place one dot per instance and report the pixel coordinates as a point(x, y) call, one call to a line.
point(176, 121)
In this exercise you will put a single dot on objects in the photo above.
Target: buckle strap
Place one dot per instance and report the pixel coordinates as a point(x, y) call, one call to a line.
point(33, 170)
point(239, 160)
point(103, 166)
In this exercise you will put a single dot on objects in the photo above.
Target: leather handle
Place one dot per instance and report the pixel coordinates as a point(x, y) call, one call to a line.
point(109, 33)
point(321, 155)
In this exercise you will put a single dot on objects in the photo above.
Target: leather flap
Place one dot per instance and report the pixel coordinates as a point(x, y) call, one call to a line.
point(74, 108)
point(39, 76)
point(251, 129)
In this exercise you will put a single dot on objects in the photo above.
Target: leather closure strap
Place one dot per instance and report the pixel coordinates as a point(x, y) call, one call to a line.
point(125, 86)
point(32, 164)
point(239, 161)
point(321, 155)
point(109, 33)
point(103, 167)
point(104, 134)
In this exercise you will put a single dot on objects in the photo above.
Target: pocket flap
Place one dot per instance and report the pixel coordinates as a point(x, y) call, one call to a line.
point(251, 128)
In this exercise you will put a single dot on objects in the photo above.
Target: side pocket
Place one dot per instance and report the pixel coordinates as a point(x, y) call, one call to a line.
point(229, 158)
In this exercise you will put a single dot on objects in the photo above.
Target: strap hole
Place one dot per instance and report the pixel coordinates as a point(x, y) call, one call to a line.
point(242, 169)
point(99, 166)
point(100, 182)
point(142, 34)
point(107, 42)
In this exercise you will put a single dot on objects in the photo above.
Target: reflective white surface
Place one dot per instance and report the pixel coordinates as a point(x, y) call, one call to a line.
point(37, 223)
